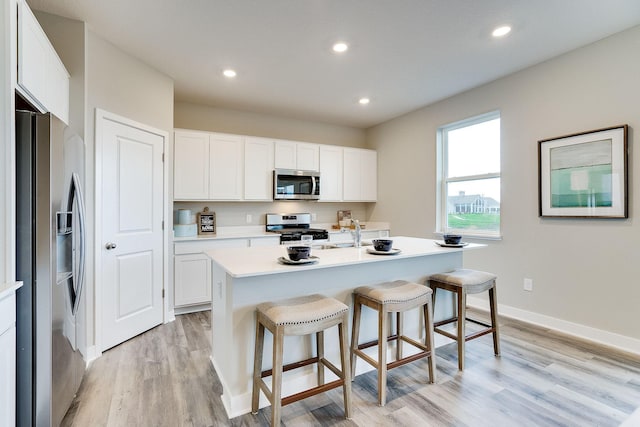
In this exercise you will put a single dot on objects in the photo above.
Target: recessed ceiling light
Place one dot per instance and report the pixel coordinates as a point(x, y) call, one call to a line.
point(340, 47)
point(364, 101)
point(501, 31)
point(229, 73)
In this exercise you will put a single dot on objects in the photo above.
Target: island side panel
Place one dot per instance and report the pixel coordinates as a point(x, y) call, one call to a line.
point(235, 299)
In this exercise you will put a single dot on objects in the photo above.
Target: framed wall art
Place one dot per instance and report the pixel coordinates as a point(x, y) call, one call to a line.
point(584, 175)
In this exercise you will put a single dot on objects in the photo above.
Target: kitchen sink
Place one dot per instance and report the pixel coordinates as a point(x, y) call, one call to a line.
point(340, 245)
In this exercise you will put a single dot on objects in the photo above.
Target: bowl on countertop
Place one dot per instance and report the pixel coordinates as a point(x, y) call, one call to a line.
point(296, 253)
point(382, 244)
point(452, 239)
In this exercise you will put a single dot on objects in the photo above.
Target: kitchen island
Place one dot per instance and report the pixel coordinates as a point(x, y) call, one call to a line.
point(245, 277)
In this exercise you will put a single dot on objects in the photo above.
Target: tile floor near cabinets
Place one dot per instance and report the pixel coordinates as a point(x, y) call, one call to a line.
point(164, 378)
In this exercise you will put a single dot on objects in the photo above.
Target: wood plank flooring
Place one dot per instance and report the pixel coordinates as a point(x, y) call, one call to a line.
point(164, 378)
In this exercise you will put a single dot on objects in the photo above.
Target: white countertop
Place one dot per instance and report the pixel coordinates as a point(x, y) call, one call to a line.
point(7, 289)
point(257, 261)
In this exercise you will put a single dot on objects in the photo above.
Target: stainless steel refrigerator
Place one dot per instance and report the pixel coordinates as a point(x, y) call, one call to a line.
point(50, 259)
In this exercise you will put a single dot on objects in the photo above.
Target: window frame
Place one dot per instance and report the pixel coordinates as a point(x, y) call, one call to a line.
point(444, 180)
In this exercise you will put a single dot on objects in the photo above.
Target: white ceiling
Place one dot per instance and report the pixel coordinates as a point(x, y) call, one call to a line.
point(403, 54)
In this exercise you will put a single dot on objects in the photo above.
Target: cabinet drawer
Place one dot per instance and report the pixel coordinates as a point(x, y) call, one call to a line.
point(197, 247)
point(7, 312)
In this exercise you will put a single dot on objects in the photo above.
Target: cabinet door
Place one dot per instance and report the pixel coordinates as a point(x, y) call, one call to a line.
point(192, 279)
point(360, 175)
point(285, 155)
point(40, 72)
point(191, 166)
point(330, 173)
point(226, 167)
point(258, 169)
point(8, 377)
point(352, 175)
point(369, 175)
point(307, 156)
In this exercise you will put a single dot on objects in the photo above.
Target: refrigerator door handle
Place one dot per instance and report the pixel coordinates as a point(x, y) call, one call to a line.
point(76, 193)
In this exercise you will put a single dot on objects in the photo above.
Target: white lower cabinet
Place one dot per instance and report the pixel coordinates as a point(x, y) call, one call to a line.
point(7, 360)
point(192, 269)
point(193, 279)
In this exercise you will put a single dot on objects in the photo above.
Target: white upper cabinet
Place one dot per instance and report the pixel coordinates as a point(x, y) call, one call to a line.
point(226, 167)
point(217, 166)
point(191, 165)
point(258, 168)
point(308, 156)
point(297, 155)
point(42, 76)
point(285, 155)
point(331, 173)
point(360, 175)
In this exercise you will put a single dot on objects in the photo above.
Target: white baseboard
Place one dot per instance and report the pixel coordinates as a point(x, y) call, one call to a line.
point(611, 339)
point(92, 354)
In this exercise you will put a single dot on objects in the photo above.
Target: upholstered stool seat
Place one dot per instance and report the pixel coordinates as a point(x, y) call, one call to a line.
point(463, 282)
point(392, 297)
point(299, 316)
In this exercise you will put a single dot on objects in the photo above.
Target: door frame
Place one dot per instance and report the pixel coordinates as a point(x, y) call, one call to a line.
point(101, 117)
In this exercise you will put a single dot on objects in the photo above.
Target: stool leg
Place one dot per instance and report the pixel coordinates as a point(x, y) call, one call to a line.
point(399, 334)
point(493, 302)
point(257, 367)
point(428, 340)
point(276, 379)
point(355, 332)
point(320, 353)
point(383, 330)
point(344, 360)
point(462, 313)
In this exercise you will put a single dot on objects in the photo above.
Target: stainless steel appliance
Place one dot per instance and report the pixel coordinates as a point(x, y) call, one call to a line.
point(50, 252)
point(292, 227)
point(290, 184)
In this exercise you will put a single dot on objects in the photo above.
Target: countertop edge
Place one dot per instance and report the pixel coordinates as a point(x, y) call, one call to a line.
point(7, 289)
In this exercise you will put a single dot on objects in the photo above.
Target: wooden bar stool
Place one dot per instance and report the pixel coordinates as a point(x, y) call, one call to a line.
point(392, 297)
point(299, 316)
point(463, 282)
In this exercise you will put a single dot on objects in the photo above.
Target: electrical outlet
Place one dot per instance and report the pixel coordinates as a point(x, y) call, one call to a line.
point(528, 285)
point(249, 218)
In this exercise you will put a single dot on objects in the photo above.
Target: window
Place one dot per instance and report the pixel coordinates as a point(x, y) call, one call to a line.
point(469, 156)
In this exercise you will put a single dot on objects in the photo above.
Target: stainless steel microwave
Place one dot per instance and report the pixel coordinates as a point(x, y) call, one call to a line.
point(291, 184)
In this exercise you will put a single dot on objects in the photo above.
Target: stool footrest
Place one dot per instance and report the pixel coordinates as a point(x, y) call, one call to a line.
point(375, 342)
point(311, 392)
point(408, 359)
point(290, 366)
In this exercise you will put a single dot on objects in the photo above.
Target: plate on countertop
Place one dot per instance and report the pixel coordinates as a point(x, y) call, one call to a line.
point(451, 245)
point(393, 251)
point(287, 261)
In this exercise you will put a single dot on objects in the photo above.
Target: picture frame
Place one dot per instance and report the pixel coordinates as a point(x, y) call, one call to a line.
point(206, 222)
point(584, 175)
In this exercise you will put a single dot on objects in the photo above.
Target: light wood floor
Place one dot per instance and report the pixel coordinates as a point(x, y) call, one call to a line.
point(163, 378)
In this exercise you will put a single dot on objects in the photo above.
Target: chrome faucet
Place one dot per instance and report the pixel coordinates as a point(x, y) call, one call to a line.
point(357, 234)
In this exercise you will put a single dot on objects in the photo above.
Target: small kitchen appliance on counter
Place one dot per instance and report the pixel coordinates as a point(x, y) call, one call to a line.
point(292, 227)
point(185, 227)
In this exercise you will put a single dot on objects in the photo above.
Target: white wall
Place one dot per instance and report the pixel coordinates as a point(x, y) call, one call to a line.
point(584, 271)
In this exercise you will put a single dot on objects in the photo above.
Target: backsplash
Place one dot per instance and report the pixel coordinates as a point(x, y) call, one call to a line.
point(230, 214)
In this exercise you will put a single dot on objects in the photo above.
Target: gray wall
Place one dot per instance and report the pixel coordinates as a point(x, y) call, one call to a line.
point(583, 271)
point(105, 77)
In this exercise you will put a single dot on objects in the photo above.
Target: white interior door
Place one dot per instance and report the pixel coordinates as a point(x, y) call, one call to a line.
point(132, 236)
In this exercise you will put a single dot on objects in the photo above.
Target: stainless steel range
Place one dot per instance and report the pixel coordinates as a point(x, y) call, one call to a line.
point(292, 227)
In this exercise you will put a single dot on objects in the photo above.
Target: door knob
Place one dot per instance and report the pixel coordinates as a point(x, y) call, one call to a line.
point(110, 246)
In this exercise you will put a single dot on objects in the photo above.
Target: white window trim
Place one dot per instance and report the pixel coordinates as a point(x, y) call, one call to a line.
point(441, 170)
